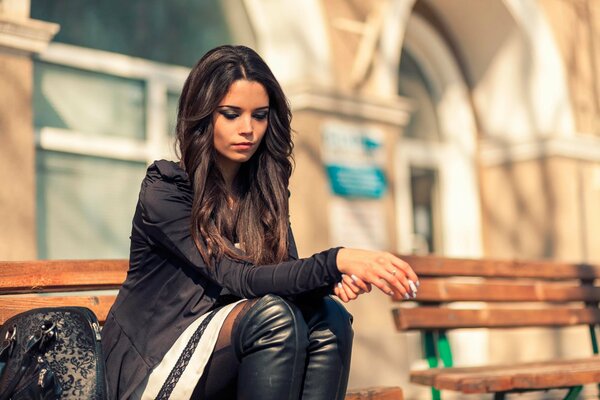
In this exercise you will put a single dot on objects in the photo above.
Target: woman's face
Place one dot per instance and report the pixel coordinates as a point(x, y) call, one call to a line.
point(240, 122)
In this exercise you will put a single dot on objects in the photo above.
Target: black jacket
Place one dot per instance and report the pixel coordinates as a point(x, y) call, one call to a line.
point(168, 285)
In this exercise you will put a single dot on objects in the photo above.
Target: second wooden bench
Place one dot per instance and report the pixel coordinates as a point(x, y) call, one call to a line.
point(504, 294)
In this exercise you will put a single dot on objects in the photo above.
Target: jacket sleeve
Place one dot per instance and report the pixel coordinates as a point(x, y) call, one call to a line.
point(166, 213)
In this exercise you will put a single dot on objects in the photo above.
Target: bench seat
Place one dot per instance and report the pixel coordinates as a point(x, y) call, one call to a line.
point(93, 284)
point(376, 393)
point(513, 377)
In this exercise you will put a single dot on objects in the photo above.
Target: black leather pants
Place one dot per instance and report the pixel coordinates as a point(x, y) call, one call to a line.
point(290, 351)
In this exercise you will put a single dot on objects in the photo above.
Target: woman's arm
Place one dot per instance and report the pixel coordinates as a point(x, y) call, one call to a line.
point(166, 213)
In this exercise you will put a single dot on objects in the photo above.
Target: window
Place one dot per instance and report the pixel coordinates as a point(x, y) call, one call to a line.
point(420, 153)
point(98, 125)
point(105, 100)
point(165, 31)
point(414, 85)
point(423, 183)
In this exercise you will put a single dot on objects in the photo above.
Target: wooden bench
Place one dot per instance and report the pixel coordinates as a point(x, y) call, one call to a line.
point(505, 294)
point(93, 284)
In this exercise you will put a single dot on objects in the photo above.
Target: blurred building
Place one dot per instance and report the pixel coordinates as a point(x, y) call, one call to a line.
point(462, 128)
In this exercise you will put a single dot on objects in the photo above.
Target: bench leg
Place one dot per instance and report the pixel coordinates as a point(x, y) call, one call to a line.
point(436, 345)
point(573, 392)
point(444, 350)
point(432, 358)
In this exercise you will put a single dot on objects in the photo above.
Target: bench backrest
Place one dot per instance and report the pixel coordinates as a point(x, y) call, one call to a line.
point(89, 283)
point(548, 293)
point(569, 291)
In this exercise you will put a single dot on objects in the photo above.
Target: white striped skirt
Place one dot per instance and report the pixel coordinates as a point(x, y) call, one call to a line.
point(176, 376)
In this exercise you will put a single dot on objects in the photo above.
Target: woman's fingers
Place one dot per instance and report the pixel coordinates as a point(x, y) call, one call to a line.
point(391, 289)
point(401, 276)
point(406, 268)
point(352, 284)
point(349, 292)
point(396, 281)
point(382, 285)
point(365, 287)
point(340, 292)
point(393, 278)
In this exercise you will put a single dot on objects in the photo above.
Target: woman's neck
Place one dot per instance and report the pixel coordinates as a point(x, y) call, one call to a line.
point(229, 170)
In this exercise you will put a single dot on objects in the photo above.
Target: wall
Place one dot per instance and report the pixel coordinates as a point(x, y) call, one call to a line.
point(20, 37)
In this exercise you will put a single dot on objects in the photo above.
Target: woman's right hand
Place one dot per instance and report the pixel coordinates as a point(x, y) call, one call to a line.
point(384, 270)
point(349, 289)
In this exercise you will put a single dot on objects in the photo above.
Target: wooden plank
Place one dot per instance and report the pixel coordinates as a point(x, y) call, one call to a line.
point(56, 275)
point(376, 393)
point(547, 375)
point(522, 376)
point(441, 290)
point(556, 379)
point(536, 375)
point(12, 305)
point(441, 266)
point(448, 318)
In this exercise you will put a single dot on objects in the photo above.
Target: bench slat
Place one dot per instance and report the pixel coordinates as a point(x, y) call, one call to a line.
point(439, 266)
point(12, 305)
point(447, 318)
point(61, 275)
point(445, 290)
point(536, 375)
point(376, 393)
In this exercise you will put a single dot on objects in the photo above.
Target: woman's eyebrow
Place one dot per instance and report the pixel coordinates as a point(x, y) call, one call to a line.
point(239, 108)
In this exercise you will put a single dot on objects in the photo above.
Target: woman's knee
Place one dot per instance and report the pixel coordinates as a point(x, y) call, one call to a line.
point(273, 319)
point(328, 317)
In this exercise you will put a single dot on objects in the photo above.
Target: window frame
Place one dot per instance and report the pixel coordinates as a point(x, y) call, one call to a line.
point(159, 80)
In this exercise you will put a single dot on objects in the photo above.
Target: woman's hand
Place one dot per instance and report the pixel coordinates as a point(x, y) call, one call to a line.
point(384, 270)
point(350, 288)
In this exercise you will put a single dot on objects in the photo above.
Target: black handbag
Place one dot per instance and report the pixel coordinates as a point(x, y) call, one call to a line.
point(52, 353)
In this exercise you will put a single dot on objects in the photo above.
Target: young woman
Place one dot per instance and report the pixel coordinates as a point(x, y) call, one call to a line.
point(216, 304)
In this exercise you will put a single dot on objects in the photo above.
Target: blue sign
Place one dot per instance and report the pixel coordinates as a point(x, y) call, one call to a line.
point(350, 181)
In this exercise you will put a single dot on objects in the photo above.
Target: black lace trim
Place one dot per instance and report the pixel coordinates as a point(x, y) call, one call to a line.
point(183, 360)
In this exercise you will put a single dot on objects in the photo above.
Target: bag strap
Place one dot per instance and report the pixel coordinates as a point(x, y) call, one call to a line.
point(35, 343)
point(8, 344)
point(41, 337)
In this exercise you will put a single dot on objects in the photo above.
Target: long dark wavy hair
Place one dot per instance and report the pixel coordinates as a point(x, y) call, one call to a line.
point(259, 220)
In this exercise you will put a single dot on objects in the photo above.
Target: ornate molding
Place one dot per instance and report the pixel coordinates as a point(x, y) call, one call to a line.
point(394, 111)
point(25, 35)
point(583, 147)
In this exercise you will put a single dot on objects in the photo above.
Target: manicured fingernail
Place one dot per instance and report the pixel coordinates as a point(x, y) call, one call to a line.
point(354, 277)
point(406, 296)
point(414, 295)
point(412, 286)
point(390, 293)
point(340, 285)
point(418, 283)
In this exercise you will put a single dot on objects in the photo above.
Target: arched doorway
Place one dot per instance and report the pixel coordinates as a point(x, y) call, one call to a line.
point(437, 195)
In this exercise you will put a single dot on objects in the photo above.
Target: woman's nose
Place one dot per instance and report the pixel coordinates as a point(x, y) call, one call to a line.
point(247, 126)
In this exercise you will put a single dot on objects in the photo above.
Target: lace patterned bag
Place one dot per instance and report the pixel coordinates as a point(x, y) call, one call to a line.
point(52, 353)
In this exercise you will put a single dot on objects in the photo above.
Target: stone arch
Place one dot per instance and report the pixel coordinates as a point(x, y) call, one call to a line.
point(296, 49)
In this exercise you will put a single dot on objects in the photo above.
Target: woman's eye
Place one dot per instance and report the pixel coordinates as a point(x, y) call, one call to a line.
point(229, 115)
point(260, 116)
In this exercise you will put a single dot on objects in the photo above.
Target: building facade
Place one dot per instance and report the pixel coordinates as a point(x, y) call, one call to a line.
point(461, 128)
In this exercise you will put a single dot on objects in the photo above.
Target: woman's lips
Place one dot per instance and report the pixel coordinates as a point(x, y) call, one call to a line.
point(242, 146)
